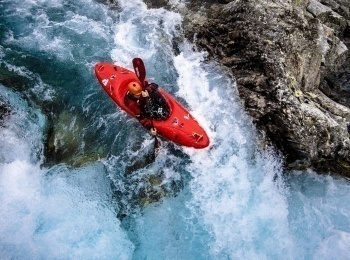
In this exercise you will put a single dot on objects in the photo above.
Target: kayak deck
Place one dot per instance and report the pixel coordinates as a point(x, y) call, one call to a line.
point(180, 127)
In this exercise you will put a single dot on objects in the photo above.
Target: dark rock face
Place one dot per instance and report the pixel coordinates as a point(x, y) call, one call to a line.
point(292, 65)
point(291, 62)
point(191, 5)
point(4, 111)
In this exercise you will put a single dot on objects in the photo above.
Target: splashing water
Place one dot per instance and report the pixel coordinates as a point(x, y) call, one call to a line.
point(228, 201)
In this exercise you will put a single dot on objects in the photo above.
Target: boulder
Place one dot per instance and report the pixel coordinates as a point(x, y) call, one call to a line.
point(65, 143)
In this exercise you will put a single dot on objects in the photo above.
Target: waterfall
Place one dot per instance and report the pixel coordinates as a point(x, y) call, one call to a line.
point(102, 198)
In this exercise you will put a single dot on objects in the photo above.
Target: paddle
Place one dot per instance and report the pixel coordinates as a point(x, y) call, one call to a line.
point(140, 72)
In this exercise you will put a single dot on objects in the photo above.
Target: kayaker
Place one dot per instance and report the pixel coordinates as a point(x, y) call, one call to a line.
point(147, 104)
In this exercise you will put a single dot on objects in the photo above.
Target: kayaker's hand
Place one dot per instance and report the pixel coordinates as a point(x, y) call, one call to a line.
point(145, 93)
point(154, 131)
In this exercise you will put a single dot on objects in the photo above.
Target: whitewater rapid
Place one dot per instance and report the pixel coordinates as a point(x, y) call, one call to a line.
point(228, 201)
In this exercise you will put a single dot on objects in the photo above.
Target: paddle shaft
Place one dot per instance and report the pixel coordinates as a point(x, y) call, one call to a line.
point(140, 71)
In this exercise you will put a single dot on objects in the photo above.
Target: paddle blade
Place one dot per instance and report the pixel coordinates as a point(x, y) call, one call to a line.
point(140, 69)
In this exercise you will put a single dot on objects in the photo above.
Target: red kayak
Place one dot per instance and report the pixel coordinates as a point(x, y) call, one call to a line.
point(179, 127)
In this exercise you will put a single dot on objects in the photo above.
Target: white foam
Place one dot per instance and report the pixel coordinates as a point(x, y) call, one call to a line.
point(335, 246)
point(166, 231)
point(21, 124)
point(54, 37)
point(232, 191)
point(179, 4)
point(145, 34)
point(322, 198)
point(54, 212)
point(40, 89)
point(60, 215)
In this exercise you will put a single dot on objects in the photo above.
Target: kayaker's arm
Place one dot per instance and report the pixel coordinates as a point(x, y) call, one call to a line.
point(134, 106)
point(148, 124)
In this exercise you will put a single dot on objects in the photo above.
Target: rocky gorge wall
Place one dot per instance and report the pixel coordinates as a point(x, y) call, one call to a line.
point(292, 65)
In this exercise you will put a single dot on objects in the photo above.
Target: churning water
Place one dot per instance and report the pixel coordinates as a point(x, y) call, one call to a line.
point(229, 201)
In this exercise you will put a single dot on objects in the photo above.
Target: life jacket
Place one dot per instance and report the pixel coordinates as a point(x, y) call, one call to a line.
point(154, 106)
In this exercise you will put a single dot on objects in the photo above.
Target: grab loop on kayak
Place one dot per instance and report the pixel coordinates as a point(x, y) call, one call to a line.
point(198, 137)
point(100, 68)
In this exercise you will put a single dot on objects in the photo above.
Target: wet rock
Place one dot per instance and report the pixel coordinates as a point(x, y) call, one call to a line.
point(111, 3)
point(148, 185)
point(4, 111)
point(143, 187)
point(291, 62)
point(140, 179)
point(190, 6)
point(11, 79)
point(152, 189)
point(284, 54)
point(64, 137)
point(158, 3)
point(65, 143)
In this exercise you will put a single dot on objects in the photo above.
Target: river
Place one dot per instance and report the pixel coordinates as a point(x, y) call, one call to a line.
point(228, 201)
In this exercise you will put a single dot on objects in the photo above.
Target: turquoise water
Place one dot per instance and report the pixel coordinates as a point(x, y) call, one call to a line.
point(229, 201)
